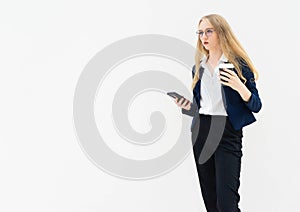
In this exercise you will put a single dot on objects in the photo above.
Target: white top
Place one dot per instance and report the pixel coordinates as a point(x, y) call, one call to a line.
point(211, 95)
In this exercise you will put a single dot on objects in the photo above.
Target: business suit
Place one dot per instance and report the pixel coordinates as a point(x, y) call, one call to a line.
point(219, 175)
point(239, 112)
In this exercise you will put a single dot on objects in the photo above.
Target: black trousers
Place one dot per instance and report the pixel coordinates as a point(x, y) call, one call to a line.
point(219, 176)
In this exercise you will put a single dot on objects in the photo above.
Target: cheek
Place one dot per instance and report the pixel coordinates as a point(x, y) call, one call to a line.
point(215, 41)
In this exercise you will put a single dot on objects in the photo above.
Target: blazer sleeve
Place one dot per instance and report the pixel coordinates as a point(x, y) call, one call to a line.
point(254, 103)
point(192, 110)
point(194, 106)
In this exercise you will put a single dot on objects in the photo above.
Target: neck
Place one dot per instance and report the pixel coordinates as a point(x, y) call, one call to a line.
point(215, 55)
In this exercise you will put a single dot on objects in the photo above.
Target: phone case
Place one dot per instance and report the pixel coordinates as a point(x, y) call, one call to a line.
point(174, 94)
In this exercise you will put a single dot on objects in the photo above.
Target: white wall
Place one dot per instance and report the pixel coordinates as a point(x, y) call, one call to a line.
point(44, 47)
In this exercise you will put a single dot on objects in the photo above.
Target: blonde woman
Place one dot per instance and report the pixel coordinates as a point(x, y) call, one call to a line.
point(228, 93)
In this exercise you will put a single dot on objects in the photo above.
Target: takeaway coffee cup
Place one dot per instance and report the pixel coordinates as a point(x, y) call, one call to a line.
point(225, 65)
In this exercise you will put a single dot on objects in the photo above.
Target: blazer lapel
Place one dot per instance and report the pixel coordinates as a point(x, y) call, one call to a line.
point(224, 97)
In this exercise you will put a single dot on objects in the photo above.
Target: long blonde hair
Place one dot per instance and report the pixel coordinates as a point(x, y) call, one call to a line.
point(231, 48)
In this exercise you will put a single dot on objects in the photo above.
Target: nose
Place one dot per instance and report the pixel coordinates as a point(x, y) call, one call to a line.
point(204, 37)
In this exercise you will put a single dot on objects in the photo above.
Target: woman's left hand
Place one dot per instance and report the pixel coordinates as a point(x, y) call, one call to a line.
point(232, 80)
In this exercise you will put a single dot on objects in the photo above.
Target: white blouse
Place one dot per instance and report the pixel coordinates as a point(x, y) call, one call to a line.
point(211, 95)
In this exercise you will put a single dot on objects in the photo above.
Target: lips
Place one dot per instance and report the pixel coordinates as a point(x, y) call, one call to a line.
point(205, 43)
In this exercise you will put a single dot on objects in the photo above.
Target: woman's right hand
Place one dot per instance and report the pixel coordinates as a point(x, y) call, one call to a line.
point(183, 103)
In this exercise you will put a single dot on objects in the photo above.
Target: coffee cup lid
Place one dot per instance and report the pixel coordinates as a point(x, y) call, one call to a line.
point(226, 65)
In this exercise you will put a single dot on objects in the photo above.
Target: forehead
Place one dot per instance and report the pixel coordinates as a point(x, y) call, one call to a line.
point(205, 24)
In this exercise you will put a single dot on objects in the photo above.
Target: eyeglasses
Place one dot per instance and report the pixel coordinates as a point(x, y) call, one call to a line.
point(208, 32)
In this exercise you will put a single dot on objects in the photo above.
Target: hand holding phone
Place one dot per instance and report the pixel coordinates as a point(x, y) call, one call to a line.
point(177, 97)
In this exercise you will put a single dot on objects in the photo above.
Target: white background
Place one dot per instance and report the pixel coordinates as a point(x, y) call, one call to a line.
point(44, 47)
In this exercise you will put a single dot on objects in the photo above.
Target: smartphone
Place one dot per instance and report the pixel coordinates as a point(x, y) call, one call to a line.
point(174, 95)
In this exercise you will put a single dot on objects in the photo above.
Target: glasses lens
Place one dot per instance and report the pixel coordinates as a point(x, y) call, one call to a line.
point(209, 32)
point(200, 33)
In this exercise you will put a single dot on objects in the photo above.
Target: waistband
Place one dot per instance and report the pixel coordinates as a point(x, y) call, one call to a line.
point(209, 116)
point(204, 118)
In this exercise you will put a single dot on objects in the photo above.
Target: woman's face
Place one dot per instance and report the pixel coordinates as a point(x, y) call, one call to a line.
point(208, 36)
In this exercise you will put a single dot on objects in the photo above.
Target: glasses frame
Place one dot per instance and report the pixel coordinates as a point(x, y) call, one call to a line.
point(208, 32)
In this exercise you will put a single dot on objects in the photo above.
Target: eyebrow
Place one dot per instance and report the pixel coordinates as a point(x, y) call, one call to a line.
point(205, 29)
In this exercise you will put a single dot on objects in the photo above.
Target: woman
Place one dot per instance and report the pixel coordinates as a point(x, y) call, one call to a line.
point(231, 94)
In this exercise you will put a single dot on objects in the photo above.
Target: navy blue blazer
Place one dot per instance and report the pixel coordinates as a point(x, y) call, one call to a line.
point(240, 113)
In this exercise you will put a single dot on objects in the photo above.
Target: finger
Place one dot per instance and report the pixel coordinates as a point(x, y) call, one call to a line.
point(223, 78)
point(231, 72)
point(223, 73)
point(181, 101)
point(226, 70)
point(188, 106)
point(177, 102)
point(225, 83)
point(186, 102)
